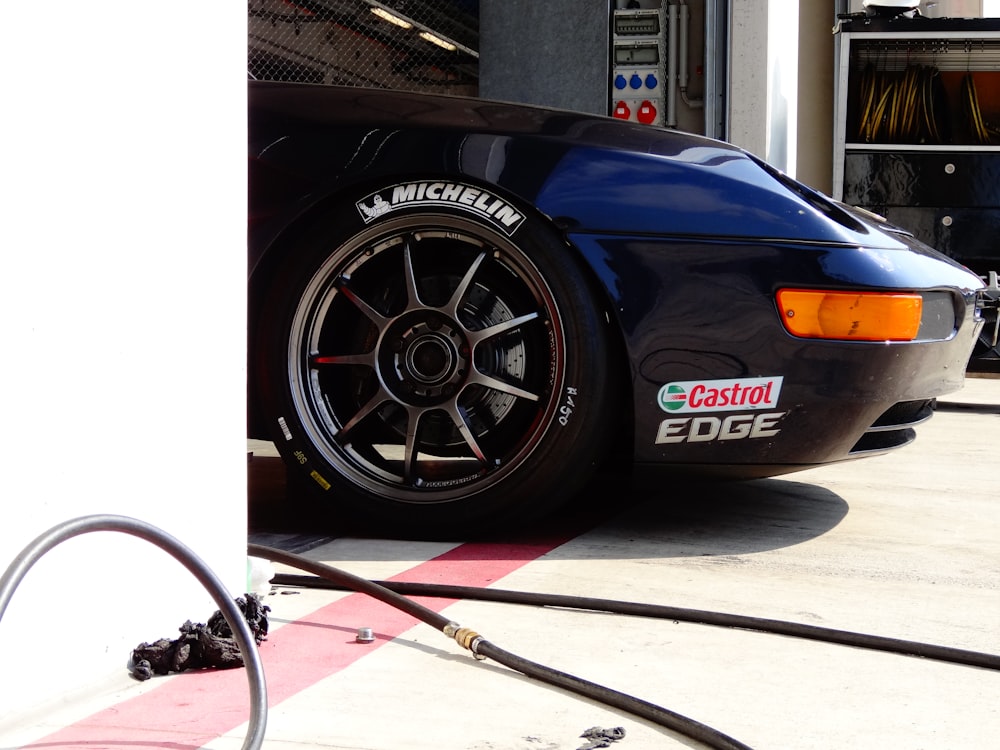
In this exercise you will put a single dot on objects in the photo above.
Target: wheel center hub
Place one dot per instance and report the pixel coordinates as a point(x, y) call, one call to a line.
point(426, 359)
point(430, 359)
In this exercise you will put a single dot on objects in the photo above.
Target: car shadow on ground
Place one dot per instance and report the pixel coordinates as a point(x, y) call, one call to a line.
point(688, 518)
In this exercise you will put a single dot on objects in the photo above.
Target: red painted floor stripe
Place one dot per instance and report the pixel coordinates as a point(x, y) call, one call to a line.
point(191, 709)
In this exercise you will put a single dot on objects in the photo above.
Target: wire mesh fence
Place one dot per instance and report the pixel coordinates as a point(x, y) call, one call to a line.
point(423, 45)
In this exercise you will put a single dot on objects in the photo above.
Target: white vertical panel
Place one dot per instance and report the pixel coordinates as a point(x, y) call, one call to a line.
point(122, 300)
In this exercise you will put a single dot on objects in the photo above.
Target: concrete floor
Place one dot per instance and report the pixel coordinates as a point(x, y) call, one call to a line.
point(905, 546)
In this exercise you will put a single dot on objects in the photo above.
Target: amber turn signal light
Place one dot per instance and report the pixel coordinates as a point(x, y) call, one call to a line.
point(850, 316)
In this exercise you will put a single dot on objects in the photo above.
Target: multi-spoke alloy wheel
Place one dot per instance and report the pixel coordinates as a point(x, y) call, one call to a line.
point(430, 373)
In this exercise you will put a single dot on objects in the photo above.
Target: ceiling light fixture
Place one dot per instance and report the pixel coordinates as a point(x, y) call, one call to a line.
point(433, 39)
point(391, 17)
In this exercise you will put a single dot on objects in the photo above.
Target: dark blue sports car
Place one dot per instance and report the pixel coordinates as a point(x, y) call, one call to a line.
point(460, 310)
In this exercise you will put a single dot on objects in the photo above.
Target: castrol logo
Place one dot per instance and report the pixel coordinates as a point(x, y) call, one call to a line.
point(720, 395)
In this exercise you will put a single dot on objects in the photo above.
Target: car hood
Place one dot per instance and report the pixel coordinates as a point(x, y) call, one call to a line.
point(588, 173)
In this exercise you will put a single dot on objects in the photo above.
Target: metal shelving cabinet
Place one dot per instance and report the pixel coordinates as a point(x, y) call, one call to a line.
point(908, 144)
point(917, 131)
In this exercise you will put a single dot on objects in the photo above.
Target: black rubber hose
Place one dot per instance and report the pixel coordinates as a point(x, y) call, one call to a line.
point(744, 622)
point(482, 648)
point(351, 582)
point(21, 564)
point(662, 716)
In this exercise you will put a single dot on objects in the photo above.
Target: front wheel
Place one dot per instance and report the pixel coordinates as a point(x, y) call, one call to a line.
point(433, 374)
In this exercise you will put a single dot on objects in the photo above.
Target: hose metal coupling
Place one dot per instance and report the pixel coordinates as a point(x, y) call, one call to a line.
point(465, 637)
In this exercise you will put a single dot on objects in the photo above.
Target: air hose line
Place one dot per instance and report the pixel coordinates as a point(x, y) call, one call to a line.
point(482, 649)
point(395, 593)
point(703, 617)
point(21, 564)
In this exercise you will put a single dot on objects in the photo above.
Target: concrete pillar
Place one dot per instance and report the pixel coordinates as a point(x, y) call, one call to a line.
point(763, 80)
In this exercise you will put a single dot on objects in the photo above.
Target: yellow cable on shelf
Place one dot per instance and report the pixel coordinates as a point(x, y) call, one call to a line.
point(867, 97)
point(879, 113)
point(970, 100)
point(910, 95)
point(929, 75)
point(897, 107)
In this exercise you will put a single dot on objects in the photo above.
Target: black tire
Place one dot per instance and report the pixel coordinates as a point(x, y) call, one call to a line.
point(434, 372)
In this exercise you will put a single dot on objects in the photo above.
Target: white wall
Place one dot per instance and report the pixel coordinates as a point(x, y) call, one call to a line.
point(121, 324)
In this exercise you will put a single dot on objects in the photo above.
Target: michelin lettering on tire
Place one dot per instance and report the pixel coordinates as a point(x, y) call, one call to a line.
point(482, 203)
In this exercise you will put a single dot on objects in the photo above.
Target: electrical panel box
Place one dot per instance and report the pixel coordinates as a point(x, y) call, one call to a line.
point(638, 65)
point(654, 45)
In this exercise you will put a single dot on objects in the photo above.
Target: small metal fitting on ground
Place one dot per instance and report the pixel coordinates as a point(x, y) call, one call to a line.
point(365, 635)
point(470, 639)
